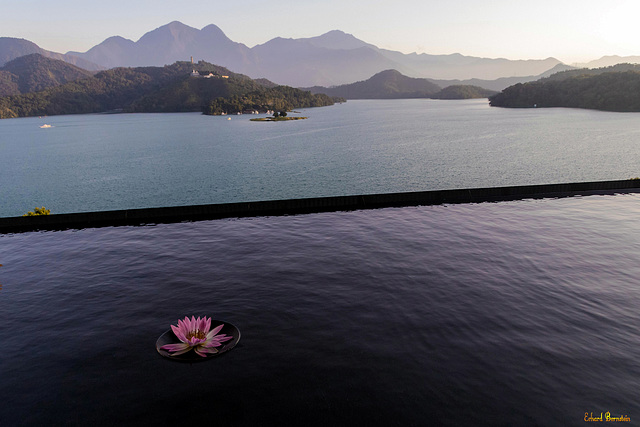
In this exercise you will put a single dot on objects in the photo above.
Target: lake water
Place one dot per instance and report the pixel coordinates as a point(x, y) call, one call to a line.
point(516, 313)
point(104, 162)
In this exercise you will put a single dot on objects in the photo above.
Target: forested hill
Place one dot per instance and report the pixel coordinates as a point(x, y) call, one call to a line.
point(614, 88)
point(463, 92)
point(32, 73)
point(144, 89)
point(619, 68)
point(389, 84)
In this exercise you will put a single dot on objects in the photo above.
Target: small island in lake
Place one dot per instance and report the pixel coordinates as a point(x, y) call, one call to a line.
point(278, 117)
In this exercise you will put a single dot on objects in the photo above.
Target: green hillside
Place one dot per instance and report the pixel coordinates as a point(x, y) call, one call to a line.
point(33, 73)
point(171, 88)
point(463, 92)
point(389, 84)
point(614, 88)
point(392, 84)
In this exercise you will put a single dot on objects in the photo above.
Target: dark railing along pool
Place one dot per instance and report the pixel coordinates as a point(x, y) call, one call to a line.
point(512, 313)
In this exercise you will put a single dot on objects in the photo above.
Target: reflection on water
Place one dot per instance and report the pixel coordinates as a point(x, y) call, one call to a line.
point(512, 313)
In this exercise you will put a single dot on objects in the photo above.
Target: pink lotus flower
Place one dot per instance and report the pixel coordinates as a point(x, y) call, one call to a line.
point(195, 334)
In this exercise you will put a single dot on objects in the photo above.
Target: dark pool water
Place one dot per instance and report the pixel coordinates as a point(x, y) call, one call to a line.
point(512, 313)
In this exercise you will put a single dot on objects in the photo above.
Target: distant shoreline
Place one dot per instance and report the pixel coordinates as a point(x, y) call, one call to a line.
point(276, 119)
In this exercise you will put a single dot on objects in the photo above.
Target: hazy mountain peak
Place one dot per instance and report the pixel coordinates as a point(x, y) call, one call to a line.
point(176, 26)
point(213, 31)
point(7, 40)
point(11, 48)
point(336, 39)
point(111, 43)
point(172, 42)
point(280, 42)
point(172, 31)
point(118, 41)
point(610, 60)
point(556, 69)
point(386, 84)
point(339, 33)
point(387, 74)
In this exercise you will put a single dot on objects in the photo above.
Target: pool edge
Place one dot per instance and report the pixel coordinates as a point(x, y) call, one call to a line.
point(309, 205)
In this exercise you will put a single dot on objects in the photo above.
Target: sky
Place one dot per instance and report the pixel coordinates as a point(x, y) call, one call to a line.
point(572, 31)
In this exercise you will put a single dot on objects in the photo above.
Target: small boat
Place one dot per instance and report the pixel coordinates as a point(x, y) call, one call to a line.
point(45, 126)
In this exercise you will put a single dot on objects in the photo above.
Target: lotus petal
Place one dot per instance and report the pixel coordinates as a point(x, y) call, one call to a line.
point(179, 333)
point(202, 351)
point(195, 334)
point(176, 349)
point(214, 331)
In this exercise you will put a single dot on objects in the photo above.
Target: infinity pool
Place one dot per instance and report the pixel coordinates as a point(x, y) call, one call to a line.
point(511, 313)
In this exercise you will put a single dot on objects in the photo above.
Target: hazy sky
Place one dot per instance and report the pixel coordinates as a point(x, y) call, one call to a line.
point(569, 30)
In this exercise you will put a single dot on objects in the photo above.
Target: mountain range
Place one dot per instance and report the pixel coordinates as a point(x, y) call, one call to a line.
point(609, 61)
point(331, 59)
point(12, 48)
point(503, 82)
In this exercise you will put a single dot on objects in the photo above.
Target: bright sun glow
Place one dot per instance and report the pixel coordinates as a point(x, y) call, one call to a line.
point(620, 26)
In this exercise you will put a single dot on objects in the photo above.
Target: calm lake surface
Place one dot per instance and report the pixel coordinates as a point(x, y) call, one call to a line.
point(515, 313)
point(104, 162)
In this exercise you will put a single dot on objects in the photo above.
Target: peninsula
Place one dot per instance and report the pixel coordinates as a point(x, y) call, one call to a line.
point(609, 89)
